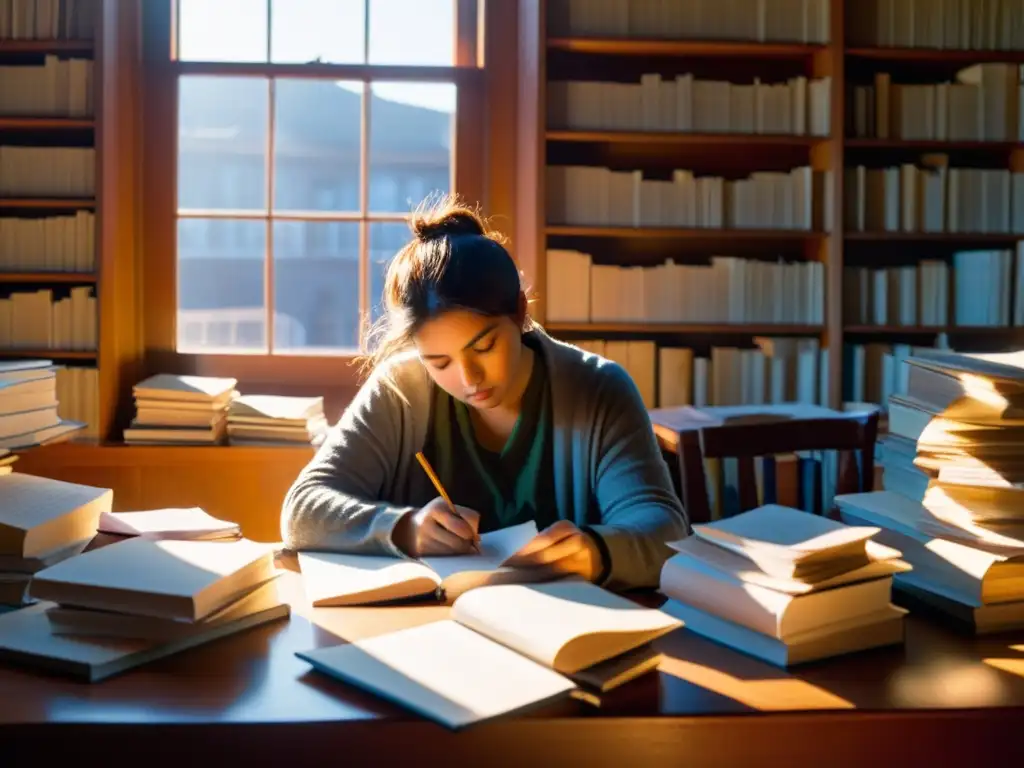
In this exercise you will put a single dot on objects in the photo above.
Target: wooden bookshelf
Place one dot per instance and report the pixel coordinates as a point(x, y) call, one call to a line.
point(554, 49)
point(107, 124)
point(46, 277)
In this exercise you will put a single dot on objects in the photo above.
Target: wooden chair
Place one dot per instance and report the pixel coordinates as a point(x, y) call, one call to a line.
point(853, 435)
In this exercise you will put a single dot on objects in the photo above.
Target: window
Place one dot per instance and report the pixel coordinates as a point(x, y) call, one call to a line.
point(306, 131)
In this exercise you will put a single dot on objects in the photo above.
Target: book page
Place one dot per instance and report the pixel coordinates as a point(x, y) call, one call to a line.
point(784, 534)
point(567, 625)
point(495, 548)
point(170, 523)
point(335, 579)
point(443, 671)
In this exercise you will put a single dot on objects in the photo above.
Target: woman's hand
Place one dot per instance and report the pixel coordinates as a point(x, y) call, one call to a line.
point(563, 548)
point(436, 530)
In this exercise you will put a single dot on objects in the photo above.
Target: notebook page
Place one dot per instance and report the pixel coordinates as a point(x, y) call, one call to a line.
point(495, 548)
point(331, 578)
point(443, 671)
point(567, 625)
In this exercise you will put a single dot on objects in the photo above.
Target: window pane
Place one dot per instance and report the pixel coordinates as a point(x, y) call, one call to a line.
point(316, 286)
point(331, 31)
point(220, 285)
point(222, 140)
point(224, 30)
point(316, 145)
point(412, 32)
point(386, 238)
point(410, 143)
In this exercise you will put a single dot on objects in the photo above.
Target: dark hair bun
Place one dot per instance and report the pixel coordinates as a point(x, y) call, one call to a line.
point(447, 219)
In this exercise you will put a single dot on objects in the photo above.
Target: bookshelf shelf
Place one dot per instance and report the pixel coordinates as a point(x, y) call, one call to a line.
point(47, 203)
point(46, 124)
point(80, 47)
point(926, 145)
point(896, 330)
point(654, 47)
point(935, 55)
point(46, 277)
point(740, 329)
point(750, 140)
point(677, 233)
point(960, 238)
point(49, 354)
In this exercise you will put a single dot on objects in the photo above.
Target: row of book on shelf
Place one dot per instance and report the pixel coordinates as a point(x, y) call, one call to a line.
point(594, 196)
point(48, 19)
point(768, 21)
point(47, 171)
point(931, 196)
point(798, 106)
point(943, 538)
point(39, 320)
point(989, 98)
point(48, 243)
point(42, 403)
point(928, 196)
point(988, 291)
point(56, 88)
point(948, 25)
point(727, 289)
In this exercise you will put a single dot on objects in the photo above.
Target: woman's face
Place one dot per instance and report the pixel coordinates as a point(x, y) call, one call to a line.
point(471, 357)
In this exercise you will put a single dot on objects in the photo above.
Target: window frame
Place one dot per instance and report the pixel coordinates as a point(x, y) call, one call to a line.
point(280, 373)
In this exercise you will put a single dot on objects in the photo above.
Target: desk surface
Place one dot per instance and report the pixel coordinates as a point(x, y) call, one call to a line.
point(957, 697)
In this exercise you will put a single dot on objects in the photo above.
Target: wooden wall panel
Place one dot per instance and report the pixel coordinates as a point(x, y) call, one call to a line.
point(245, 485)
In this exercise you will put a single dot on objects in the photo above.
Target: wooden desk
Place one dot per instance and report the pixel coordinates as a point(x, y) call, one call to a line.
point(946, 699)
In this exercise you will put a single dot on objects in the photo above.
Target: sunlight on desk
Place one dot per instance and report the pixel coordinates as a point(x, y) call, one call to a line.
point(781, 693)
point(1014, 666)
point(949, 685)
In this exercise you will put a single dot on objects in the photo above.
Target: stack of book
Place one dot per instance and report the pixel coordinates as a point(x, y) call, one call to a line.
point(28, 405)
point(43, 522)
point(785, 586)
point(117, 606)
point(953, 498)
point(276, 420)
point(180, 410)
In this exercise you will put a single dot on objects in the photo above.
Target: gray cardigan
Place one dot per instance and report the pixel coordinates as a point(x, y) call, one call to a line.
point(609, 472)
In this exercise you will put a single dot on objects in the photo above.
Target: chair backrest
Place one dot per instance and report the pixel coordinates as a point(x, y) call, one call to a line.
point(852, 435)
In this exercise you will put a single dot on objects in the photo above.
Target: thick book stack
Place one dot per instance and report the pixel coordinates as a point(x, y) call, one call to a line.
point(42, 522)
point(954, 488)
point(276, 420)
point(785, 586)
point(130, 602)
point(28, 405)
point(180, 410)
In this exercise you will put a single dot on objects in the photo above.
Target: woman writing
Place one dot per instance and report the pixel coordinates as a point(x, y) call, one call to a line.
point(517, 425)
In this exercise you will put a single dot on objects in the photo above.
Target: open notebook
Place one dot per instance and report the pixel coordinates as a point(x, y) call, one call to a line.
point(332, 579)
point(506, 647)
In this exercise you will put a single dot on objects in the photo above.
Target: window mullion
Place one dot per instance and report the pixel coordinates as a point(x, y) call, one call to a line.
point(268, 254)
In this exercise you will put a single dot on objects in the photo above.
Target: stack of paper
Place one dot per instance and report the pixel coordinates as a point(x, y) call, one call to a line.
point(43, 522)
point(191, 524)
point(133, 601)
point(505, 648)
point(28, 405)
point(785, 586)
point(180, 410)
point(954, 487)
point(276, 420)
